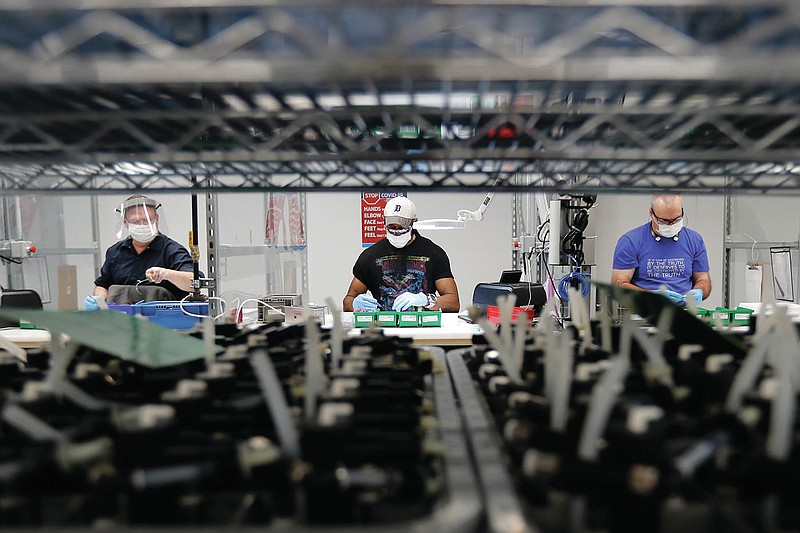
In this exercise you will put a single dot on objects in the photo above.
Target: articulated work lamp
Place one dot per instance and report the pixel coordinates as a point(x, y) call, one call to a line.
point(463, 215)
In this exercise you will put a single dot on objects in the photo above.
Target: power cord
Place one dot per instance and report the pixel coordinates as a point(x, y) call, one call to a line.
point(574, 279)
point(572, 243)
point(10, 260)
point(559, 319)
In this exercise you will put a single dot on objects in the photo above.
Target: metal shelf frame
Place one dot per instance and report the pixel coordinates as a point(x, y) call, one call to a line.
point(691, 95)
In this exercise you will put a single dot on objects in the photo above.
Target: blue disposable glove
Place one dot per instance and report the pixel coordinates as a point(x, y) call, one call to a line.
point(696, 294)
point(91, 303)
point(362, 302)
point(410, 299)
point(672, 296)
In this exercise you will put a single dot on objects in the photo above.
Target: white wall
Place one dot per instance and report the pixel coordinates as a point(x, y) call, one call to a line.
point(477, 253)
point(772, 219)
point(617, 213)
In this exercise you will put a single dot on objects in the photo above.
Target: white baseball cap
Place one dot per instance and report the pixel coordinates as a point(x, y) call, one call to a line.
point(400, 210)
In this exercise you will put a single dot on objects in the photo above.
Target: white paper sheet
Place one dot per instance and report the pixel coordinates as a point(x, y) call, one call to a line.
point(753, 281)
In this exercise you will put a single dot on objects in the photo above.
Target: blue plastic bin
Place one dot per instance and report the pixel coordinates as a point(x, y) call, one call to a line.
point(167, 314)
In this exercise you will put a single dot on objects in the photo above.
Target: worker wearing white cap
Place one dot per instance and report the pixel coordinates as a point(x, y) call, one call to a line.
point(403, 271)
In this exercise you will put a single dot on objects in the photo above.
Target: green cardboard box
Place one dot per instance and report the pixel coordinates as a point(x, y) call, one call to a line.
point(741, 316)
point(408, 319)
point(386, 319)
point(430, 319)
point(723, 313)
point(363, 320)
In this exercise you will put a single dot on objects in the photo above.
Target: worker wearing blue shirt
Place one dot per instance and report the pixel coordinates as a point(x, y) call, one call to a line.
point(663, 256)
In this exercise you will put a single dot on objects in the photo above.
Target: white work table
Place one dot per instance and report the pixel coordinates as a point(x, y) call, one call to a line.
point(453, 331)
point(792, 309)
point(26, 337)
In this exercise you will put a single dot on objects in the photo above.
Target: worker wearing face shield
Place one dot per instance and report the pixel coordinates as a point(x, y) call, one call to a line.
point(403, 271)
point(145, 256)
point(663, 256)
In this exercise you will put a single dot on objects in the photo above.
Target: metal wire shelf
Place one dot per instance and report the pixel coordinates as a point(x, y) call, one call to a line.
point(320, 94)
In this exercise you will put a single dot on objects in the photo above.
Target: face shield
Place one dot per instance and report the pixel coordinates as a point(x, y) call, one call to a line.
point(140, 218)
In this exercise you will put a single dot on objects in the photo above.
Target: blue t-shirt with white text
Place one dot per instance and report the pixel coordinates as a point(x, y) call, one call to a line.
point(661, 262)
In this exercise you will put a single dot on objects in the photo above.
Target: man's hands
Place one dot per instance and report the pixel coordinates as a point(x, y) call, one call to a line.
point(672, 296)
point(156, 274)
point(93, 303)
point(362, 302)
point(410, 299)
point(694, 294)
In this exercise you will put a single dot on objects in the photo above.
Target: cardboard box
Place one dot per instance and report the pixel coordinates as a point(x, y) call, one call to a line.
point(296, 315)
point(67, 288)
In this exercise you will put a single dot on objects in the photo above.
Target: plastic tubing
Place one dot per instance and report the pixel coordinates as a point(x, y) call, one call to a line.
point(78, 396)
point(550, 356)
point(791, 351)
point(512, 369)
point(13, 349)
point(314, 369)
point(209, 336)
point(602, 402)
point(580, 317)
point(506, 312)
point(31, 425)
point(187, 313)
point(747, 374)
point(783, 411)
point(559, 404)
point(520, 334)
point(605, 322)
point(337, 333)
point(272, 392)
point(688, 462)
point(652, 350)
point(664, 324)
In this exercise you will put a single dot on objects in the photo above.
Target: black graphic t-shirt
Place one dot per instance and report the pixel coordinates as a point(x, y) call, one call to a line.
point(388, 271)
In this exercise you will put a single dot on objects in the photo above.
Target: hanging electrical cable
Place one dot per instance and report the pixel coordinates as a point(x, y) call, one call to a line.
point(572, 242)
point(574, 279)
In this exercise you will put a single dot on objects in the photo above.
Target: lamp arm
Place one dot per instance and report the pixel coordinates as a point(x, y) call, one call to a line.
point(464, 214)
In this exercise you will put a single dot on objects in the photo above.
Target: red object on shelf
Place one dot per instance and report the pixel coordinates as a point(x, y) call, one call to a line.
point(493, 314)
point(32, 249)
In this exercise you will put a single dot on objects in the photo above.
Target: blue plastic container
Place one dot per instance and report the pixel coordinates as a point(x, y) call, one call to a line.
point(167, 314)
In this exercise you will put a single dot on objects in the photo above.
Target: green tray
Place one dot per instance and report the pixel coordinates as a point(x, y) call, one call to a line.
point(408, 319)
point(386, 319)
point(430, 319)
point(363, 320)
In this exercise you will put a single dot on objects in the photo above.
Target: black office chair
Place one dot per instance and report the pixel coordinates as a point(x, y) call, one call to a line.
point(25, 298)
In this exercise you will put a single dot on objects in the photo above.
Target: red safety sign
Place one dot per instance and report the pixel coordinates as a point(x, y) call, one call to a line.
point(372, 227)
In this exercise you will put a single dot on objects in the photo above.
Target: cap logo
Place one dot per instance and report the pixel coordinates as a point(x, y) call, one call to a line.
point(397, 208)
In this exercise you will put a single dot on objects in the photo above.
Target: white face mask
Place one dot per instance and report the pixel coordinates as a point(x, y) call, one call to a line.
point(669, 231)
point(399, 241)
point(142, 232)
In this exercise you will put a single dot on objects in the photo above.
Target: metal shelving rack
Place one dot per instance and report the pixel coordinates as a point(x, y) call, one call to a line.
point(694, 95)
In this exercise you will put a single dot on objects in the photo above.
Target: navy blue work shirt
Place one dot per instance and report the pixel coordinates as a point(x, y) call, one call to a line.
point(123, 266)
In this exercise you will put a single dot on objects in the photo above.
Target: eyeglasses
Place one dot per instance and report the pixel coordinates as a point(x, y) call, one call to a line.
point(140, 221)
point(398, 231)
point(667, 221)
